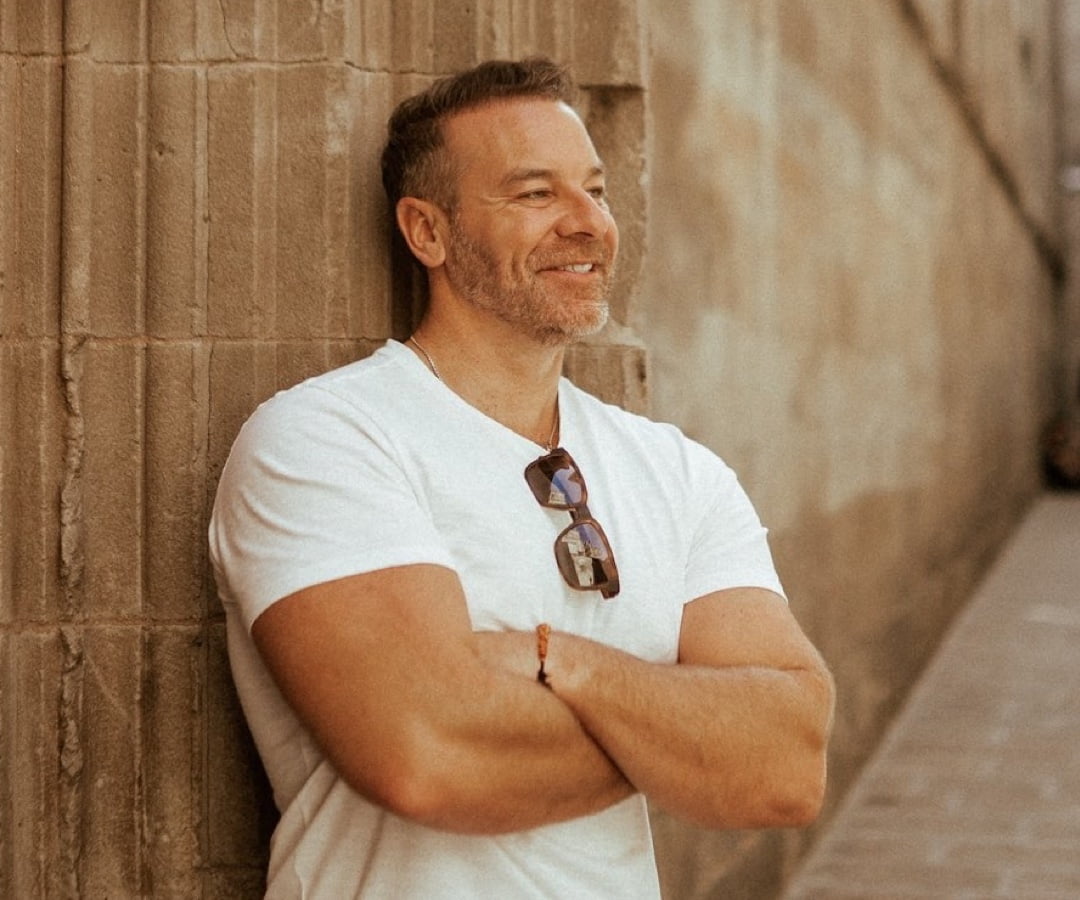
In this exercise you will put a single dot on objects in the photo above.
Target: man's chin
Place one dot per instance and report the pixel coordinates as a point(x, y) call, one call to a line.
point(589, 322)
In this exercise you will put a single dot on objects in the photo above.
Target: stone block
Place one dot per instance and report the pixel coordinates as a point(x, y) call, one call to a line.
point(213, 30)
point(31, 472)
point(525, 29)
point(30, 802)
point(106, 30)
point(286, 253)
point(306, 31)
point(240, 171)
point(209, 30)
point(311, 194)
point(365, 235)
point(31, 27)
point(173, 30)
point(112, 479)
point(110, 814)
point(174, 531)
point(176, 213)
point(30, 104)
point(368, 35)
point(105, 196)
point(242, 375)
point(235, 882)
point(455, 33)
point(171, 735)
point(412, 35)
point(239, 808)
point(608, 43)
point(296, 360)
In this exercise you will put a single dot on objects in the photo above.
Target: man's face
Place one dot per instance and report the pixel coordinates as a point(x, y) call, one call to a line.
point(532, 239)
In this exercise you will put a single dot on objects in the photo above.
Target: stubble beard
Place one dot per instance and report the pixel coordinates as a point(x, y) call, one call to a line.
point(539, 311)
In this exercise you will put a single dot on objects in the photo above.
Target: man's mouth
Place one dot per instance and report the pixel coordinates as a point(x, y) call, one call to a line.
point(577, 268)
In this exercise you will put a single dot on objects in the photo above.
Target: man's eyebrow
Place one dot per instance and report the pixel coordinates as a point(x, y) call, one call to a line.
point(519, 175)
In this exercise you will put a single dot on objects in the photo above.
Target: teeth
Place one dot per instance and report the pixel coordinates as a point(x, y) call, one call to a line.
point(579, 269)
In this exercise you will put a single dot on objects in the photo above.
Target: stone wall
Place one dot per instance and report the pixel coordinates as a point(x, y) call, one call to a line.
point(192, 218)
point(853, 293)
point(849, 292)
point(1068, 41)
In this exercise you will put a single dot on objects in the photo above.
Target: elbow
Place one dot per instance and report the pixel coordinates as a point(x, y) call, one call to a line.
point(414, 784)
point(790, 791)
point(791, 795)
point(800, 802)
point(408, 787)
point(800, 796)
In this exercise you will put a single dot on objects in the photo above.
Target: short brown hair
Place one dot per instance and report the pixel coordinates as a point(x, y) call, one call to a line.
point(412, 162)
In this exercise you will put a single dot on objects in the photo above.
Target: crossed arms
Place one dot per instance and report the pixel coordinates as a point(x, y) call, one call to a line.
point(449, 727)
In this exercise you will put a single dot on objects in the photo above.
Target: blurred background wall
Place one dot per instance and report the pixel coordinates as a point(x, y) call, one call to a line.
point(845, 253)
point(854, 290)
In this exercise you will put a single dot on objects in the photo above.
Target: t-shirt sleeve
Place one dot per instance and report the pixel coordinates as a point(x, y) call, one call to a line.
point(729, 547)
point(313, 491)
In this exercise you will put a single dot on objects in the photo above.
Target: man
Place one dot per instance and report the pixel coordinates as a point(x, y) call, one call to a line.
point(444, 710)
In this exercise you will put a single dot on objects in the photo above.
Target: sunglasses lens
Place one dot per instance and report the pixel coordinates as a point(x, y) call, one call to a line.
point(585, 559)
point(556, 482)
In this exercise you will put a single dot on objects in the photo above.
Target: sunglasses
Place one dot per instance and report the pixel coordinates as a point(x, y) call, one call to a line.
point(582, 551)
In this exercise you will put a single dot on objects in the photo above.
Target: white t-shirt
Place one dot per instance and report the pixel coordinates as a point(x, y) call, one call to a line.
point(379, 464)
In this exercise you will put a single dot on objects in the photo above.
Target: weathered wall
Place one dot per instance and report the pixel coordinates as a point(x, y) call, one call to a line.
point(851, 293)
point(1068, 38)
point(848, 292)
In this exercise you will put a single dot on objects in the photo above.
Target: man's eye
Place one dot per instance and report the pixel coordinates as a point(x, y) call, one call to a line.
point(598, 193)
point(538, 194)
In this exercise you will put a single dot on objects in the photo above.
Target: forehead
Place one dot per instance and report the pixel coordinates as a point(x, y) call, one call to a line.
point(491, 140)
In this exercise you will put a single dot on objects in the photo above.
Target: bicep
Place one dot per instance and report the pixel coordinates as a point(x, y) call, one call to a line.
point(744, 627)
point(360, 660)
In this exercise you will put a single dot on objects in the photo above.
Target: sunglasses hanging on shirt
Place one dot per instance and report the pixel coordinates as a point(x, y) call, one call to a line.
point(582, 550)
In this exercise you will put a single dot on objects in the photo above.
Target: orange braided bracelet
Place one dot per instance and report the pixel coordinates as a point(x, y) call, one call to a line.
point(542, 633)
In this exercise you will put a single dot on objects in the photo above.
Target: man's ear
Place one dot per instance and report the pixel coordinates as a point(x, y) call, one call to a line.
point(421, 223)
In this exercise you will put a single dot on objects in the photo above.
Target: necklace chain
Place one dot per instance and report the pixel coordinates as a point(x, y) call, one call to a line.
point(550, 445)
point(427, 356)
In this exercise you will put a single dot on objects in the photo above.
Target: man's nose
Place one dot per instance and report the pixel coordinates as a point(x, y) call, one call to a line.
point(584, 216)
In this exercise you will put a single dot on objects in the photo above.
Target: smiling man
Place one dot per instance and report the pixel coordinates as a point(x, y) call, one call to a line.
point(466, 666)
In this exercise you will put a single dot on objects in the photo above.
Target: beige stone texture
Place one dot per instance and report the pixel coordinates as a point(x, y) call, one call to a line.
point(852, 291)
point(1069, 71)
point(845, 248)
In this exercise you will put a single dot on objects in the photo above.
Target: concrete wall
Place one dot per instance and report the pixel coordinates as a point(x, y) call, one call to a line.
point(852, 292)
point(848, 291)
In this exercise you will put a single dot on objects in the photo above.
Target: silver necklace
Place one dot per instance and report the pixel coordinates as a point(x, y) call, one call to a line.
point(427, 356)
point(549, 446)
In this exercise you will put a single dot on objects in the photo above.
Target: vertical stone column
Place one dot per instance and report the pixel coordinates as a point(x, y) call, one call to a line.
point(33, 438)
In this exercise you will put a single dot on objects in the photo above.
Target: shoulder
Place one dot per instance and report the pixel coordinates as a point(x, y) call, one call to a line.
point(349, 385)
point(349, 397)
point(627, 434)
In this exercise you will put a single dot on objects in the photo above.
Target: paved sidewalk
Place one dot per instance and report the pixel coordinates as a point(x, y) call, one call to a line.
point(975, 792)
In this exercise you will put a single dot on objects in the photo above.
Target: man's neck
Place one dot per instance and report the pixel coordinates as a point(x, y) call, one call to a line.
point(509, 377)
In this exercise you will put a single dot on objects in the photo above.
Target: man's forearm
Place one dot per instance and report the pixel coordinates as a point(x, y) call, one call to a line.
point(580, 777)
point(740, 746)
point(525, 771)
point(515, 758)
